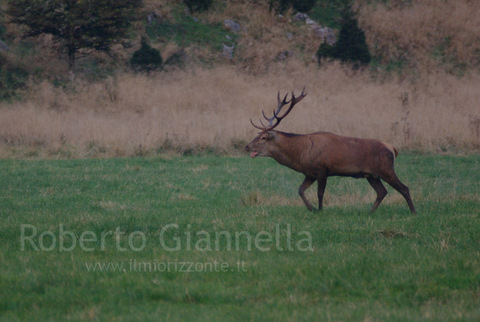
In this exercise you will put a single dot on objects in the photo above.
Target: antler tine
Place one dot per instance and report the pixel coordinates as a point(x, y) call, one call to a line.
point(270, 119)
point(281, 104)
point(265, 127)
point(299, 98)
point(293, 101)
point(256, 126)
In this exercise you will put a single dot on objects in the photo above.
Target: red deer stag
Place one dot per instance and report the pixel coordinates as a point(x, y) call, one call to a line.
point(322, 154)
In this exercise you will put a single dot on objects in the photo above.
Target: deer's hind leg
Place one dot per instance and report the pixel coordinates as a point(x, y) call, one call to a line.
point(379, 188)
point(393, 180)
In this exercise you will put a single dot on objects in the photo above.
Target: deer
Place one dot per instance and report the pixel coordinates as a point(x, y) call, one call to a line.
point(320, 155)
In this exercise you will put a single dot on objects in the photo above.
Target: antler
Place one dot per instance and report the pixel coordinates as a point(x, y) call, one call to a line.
point(281, 103)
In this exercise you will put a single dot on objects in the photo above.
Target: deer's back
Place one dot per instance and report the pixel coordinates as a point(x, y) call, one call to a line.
point(349, 156)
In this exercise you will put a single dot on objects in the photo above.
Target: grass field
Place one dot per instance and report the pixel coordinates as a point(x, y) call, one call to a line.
point(97, 239)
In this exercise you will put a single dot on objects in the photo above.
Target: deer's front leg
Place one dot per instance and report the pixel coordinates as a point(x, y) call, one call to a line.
point(301, 191)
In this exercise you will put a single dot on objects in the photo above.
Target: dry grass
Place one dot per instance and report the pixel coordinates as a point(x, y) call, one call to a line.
point(420, 34)
point(137, 114)
point(265, 35)
point(424, 32)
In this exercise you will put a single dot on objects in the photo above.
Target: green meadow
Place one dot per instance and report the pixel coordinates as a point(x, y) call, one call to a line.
point(227, 238)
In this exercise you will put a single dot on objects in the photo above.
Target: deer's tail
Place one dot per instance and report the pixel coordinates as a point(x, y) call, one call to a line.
point(392, 149)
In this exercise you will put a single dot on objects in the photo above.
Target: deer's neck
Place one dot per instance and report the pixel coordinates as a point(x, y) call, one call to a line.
point(289, 150)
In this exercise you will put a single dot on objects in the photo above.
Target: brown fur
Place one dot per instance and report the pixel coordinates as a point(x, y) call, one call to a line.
point(322, 154)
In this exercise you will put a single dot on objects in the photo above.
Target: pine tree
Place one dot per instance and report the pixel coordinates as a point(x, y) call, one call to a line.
point(351, 46)
point(76, 24)
point(146, 58)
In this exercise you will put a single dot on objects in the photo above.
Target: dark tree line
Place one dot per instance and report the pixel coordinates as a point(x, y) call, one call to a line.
point(87, 25)
point(76, 25)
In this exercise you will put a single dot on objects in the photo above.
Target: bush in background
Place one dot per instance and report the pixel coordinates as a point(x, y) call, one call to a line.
point(198, 5)
point(146, 58)
point(12, 78)
point(281, 6)
point(351, 46)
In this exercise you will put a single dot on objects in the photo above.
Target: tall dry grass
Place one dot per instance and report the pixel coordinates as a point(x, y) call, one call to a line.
point(136, 114)
point(424, 32)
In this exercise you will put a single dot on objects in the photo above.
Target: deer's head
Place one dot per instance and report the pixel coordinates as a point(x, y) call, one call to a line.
point(265, 142)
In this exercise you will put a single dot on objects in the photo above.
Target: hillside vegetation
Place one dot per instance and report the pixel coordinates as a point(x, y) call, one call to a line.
point(419, 91)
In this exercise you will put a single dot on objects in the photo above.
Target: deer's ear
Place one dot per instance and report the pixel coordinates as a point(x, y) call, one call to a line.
point(272, 135)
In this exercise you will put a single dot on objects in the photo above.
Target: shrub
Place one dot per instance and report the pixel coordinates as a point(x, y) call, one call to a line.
point(198, 5)
point(303, 5)
point(146, 58)
point(281, 6)
point(351, 46)
point(12, 78)
point(177, 59)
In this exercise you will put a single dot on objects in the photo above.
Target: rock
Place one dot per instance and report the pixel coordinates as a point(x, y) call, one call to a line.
point(227, 51)
point(232, 25)
point(300, 16)
point(325, 34)
point(152, 18)
point(284, 55)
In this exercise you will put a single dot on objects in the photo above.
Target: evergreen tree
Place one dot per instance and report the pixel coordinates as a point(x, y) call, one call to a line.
point(198, 5)
point(281, 6)
point(146, 58)
point(76, 24)
point(351, 46)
